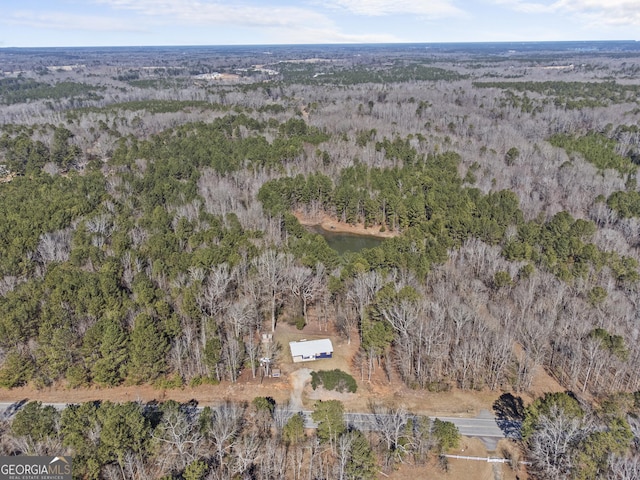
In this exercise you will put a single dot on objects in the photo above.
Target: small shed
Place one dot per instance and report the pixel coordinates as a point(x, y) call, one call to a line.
point(308, 350)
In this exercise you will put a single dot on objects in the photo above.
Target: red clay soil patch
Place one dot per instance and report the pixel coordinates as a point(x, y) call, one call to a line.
point(542, 382)
point(204, 394)
point(331, 224)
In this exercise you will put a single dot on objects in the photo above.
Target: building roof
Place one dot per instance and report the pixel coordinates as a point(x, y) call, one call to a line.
point(311, 347)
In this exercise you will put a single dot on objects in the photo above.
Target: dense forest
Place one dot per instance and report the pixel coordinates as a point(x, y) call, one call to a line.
point(151, 235)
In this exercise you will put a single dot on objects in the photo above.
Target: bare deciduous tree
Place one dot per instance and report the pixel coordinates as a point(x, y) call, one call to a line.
point(55, 246)
point(179, 438)
point(226, 421)
point(272, 268)
point(391, 425)
point(553, 444)
point(624, 468)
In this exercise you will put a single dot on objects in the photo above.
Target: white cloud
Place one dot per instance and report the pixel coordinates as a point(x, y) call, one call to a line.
point(426, 8)
point(195, 12)
point(591, 12)
point(283, 24)
point(607, 12)
point(69, 21)
point(527, 7)
point(312, 35)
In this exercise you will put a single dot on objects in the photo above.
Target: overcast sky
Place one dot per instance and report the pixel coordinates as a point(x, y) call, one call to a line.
point(43, 23)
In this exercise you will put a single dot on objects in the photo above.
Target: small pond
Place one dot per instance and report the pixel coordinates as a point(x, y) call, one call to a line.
point(346, 242)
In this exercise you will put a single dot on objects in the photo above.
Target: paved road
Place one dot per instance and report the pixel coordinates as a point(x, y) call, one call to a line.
point(485, 426)
point(8, 409)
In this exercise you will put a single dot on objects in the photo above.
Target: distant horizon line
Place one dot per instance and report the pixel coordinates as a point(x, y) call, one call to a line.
point(336, 44)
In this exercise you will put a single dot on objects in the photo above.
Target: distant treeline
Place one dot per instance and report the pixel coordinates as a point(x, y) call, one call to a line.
point(573, 95)
point(18, 90)
point(400, 72)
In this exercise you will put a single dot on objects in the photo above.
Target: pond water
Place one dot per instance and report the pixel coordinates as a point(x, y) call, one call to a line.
point(346, 242)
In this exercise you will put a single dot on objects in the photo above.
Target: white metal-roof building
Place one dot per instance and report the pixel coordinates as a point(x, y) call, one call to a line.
point(306, 351)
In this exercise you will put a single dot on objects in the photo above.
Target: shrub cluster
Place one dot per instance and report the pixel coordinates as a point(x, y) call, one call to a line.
point(334, 380)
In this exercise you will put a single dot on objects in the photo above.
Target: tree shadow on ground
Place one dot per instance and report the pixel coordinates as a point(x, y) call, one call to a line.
point(12, 409)
point(509, 412)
